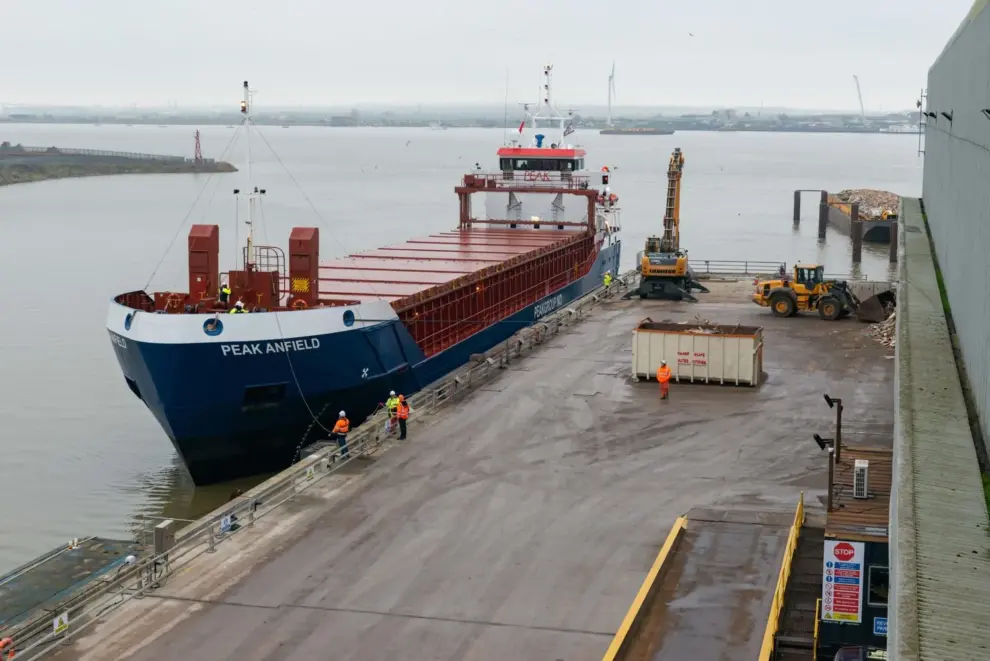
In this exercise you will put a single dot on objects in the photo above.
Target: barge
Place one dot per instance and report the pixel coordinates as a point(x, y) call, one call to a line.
point(240, 394)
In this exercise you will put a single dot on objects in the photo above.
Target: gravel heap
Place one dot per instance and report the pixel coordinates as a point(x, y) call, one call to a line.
point(871, 202)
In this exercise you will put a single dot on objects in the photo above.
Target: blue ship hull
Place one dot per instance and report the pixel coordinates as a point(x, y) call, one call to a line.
point(230, 418)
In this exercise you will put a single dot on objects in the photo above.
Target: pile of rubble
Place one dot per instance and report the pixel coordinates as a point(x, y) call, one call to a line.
point(886, 331)
point(871, 202)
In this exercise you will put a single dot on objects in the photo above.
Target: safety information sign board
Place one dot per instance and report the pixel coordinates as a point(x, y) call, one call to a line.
point(842, 581)
point(61, 623)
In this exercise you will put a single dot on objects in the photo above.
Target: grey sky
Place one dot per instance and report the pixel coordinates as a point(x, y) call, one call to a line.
point(779, 52)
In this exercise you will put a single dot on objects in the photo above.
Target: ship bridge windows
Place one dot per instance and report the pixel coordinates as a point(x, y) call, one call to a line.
point(541, 164)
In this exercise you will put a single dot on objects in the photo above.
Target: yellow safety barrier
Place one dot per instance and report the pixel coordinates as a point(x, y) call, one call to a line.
point(777, 605)
point(627, 622)
point(818, 619)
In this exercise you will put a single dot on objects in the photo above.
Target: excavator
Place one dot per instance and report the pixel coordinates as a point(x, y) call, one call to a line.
point(663, 266)
point(808, 291)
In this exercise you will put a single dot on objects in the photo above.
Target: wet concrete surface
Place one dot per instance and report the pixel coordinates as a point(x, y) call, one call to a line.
point(520, 523)
point(712, 598)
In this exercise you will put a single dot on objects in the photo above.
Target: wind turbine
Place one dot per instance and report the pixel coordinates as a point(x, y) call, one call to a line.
point(611, 93)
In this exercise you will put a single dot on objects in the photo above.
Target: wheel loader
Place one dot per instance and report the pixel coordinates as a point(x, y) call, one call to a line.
point(807, 290)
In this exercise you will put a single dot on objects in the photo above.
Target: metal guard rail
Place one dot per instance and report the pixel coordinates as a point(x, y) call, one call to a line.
point(625, 634)
point(149, 573)
point(777, 605)
point(818, 619)
point(718, 267)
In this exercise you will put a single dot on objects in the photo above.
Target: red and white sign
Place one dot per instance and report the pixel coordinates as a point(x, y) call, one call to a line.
point(533, 175)
point(844, 551)
point(842, 581)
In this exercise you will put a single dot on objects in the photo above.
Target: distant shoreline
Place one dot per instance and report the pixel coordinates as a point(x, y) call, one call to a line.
point(12, 173)
point(678, 125)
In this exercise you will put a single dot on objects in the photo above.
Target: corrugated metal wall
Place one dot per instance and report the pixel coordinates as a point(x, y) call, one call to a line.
point(957, 191)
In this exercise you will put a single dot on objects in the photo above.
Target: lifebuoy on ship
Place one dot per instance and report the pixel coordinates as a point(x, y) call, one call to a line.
point(299, 304)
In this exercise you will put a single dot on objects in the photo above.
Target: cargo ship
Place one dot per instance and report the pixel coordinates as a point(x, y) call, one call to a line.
point(632, 130)
point(240, 394)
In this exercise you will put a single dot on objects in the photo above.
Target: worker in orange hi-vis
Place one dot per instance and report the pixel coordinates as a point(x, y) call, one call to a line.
point(663, 376)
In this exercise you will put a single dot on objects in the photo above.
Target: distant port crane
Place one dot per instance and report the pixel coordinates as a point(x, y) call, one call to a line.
point(611, 93)
point(859, 95)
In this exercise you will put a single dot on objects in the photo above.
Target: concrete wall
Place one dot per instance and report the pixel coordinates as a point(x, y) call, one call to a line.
point(957, 191)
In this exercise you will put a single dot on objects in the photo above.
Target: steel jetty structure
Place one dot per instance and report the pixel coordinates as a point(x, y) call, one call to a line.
point(240, 394)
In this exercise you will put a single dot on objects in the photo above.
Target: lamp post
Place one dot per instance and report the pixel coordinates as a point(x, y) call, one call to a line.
point(836, 403)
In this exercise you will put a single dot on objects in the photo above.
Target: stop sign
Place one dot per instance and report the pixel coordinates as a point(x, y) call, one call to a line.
point(844, 551)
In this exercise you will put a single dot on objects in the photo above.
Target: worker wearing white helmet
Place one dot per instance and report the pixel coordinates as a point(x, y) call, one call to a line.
point(607, 279)
point(663, 376)
point(391, 404)
point(339, 434)
point(238, 307)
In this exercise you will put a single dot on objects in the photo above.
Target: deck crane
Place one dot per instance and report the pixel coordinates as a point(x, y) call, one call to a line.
point(663, 266)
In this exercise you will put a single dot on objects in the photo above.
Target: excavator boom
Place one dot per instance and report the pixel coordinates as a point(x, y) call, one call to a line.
point(671, 241)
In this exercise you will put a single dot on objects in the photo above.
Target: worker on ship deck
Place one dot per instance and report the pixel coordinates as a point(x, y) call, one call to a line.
point(238, 308)
point(391, 408)
point(339, 434)
point(402, 413)
point(663, 376)
point(224, 294)
point(7, 648)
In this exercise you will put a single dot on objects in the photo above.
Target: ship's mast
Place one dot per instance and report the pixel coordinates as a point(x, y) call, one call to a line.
point(547, 84)
point(253, 193)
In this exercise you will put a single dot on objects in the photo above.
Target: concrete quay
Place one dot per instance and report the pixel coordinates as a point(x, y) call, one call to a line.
point(518, 523)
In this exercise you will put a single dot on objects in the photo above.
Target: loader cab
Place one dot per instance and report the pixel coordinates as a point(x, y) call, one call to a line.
point(809, 275)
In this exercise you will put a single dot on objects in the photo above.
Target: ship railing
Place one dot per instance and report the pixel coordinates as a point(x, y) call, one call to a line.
point(202, 537)
point(483, 180)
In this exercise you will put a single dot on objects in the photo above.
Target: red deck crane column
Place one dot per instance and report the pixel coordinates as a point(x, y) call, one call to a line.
point(204, 262)
point(304, 266)
point(481, 183)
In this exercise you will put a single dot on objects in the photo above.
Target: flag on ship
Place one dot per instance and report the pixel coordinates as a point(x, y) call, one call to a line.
point(522, 125)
